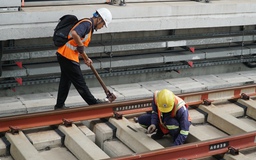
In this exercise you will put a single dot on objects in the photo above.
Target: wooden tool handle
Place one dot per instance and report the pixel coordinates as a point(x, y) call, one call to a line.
point(111, 97)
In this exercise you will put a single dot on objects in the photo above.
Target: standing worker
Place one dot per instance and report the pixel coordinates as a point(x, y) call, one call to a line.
point(68, 57)
point(169, 116)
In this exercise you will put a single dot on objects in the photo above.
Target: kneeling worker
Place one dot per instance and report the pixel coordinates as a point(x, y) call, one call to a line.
point(169, 116)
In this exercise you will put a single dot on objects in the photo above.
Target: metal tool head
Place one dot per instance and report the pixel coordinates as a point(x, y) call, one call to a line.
point(111, 97)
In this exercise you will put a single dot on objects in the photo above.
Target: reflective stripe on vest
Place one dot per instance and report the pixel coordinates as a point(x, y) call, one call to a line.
point(69, 49)
point(172, 127)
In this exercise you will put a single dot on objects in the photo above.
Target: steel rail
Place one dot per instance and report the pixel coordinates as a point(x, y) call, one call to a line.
point(111, 109)
point(197, 149)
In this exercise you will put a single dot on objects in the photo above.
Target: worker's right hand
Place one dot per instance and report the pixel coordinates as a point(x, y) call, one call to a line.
point(151, 128)
point(88, 62)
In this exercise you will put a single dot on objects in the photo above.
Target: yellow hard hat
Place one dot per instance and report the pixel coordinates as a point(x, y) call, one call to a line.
point(165, 100)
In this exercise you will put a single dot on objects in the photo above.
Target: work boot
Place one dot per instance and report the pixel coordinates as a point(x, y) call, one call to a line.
point(99, 101)
point(62, 107)
point(159, 135)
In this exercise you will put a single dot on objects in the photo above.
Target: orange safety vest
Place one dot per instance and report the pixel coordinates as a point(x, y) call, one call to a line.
point(178, 103)
point(69, 49)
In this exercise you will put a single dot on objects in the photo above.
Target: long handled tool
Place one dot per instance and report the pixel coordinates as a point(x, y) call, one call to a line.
point(110, 96)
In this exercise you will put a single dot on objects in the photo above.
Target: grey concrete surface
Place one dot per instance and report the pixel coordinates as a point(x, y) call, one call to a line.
point(251, 110)
point(80, 145)
point(45, 139)
point(36, 22)
point(2, 148)
point(136, 141)
point(38, 102)
point(21, 148)
point(226, 122)
point(198, 133)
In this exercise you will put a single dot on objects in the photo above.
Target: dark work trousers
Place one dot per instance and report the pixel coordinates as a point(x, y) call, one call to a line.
point(71, 73)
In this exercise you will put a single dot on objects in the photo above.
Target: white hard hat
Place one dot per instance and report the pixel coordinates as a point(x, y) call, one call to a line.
point(105, 15)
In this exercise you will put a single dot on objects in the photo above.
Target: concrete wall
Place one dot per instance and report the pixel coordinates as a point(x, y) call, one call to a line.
point(37, 22)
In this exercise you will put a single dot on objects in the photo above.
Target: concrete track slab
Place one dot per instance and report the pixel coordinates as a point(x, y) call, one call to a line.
point(80, 145)
point(51, 68)
point(249, 74)
point(225, 121)
point(132, 91)
point(251, 153)
point(16, 56)
point(211, 81)
point(249, 121)
point(7, 3)
point(251, 108)
point(134, 139)
point(90, 134)
point(73, 99)
point(37, 102)
point(45, 140)
point(2, 148)
point(115, 148)
point(6, 158)
point(225, 52)
point(197, 117)
point(14, 71)
point(136, 46)
point(235, 79)
point(21, 148)
point(187, 84)
point(59, 153)
point(236, 157)
point(103, 133)
point(231, 109)
point(183, 56)
point(198, 133)
point(152, 86)
point(132, 60)
point(11, 106)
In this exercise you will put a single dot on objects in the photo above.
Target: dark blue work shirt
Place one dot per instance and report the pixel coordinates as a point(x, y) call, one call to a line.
point(84, 28)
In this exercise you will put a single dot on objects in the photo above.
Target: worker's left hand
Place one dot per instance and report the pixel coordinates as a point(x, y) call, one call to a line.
point(88, 62)
point(151, 128)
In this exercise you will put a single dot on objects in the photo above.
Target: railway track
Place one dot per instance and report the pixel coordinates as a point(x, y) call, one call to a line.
point(223, 126)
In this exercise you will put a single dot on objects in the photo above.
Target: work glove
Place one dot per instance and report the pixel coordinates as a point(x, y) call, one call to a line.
point(80, 49)
point(151, 128)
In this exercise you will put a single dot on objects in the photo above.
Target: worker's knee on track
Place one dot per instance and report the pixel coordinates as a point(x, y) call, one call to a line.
point(144, 120)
